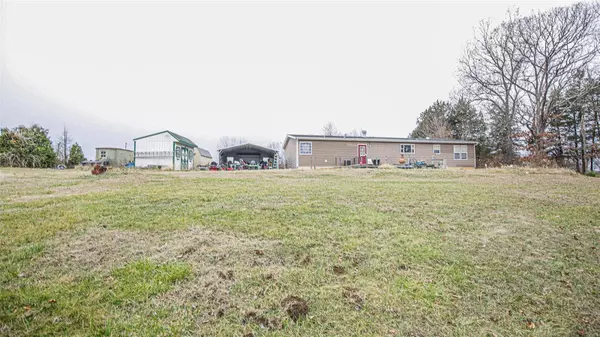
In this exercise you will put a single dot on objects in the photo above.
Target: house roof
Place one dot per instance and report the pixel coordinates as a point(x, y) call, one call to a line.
point(375, 139)
point(112, 148)
point(204, 153)
point(247, 146)
point(179, 138)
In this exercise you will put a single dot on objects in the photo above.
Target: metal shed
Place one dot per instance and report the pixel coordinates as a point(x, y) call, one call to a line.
point(248, 153)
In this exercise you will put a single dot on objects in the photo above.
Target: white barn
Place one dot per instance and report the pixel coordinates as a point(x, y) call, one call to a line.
point(164, 149)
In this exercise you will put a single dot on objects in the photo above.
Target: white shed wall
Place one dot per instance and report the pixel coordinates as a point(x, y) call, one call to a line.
point(155, 150)
point(185, 150)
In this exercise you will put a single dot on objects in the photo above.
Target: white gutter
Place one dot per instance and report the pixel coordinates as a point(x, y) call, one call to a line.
point(297, 153)
point(388, 140)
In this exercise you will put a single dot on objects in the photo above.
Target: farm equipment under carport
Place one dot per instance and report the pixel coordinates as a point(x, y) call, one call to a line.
point(214, 167)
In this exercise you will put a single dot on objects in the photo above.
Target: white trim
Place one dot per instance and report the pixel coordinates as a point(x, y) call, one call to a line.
point(413, 147)
point(366, 149)
point(384, 140)
point(466, 152)
point(287, 139)
point(297, 155)
point(305, 154)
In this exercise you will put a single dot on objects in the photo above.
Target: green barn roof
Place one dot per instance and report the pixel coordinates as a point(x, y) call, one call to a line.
point(180, 138)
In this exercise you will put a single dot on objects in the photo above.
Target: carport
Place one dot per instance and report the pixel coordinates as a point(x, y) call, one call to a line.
point(248, 153)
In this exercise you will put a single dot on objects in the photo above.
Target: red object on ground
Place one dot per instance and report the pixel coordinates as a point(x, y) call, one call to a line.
point(98, 170)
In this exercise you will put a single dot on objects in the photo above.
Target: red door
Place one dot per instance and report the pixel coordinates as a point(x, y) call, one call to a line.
point(362, 154)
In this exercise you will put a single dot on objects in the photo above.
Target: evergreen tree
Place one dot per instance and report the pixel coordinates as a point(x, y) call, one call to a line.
point(467, 123)
point(574, 125)
point(76, 155)
point(433, 122)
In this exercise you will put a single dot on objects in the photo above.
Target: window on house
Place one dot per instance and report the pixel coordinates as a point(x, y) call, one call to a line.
point(460, 152)
point(102, 154)
point(437, 149)
point(407, 148)
point(178, 152)
point(191, 155)
point(305, 148)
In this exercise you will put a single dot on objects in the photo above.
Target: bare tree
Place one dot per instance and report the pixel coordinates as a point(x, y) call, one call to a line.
point(63, 146)
point(357, 133)
point(329, 129)
point(353, 133)
point(274, 145)
point(488, 73)
point(552, 46)
point(437, 127)
point(279, 147)
point(227, 141)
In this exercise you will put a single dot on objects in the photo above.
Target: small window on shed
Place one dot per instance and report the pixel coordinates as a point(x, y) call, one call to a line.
point(305, 148)
point(178, 152)
point(102, 154)
point(437, 149)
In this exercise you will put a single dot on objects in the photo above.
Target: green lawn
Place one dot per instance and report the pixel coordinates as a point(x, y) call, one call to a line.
point(330, 252)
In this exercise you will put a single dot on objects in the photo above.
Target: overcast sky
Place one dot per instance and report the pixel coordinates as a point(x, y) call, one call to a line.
point(113, 71)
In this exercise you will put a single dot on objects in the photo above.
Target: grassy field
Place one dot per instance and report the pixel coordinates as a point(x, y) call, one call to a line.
point(346, 252)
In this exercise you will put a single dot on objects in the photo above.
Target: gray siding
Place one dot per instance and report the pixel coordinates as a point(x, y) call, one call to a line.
point(291, 154)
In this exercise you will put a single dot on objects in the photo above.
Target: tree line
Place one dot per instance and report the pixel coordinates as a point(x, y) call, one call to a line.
point(528, 90)
point(31, 147)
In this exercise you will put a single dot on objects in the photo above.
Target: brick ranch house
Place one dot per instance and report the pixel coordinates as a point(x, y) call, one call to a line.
point(316, 151)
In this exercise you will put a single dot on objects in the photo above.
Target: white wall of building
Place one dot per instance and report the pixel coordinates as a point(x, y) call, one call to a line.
point(155, 150)
point(184, 151)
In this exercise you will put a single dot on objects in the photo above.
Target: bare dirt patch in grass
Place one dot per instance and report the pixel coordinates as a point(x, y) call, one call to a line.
point(66, 192)
point(99, 249)
point(218, 262)
point(295, 307)
point(70, 184)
